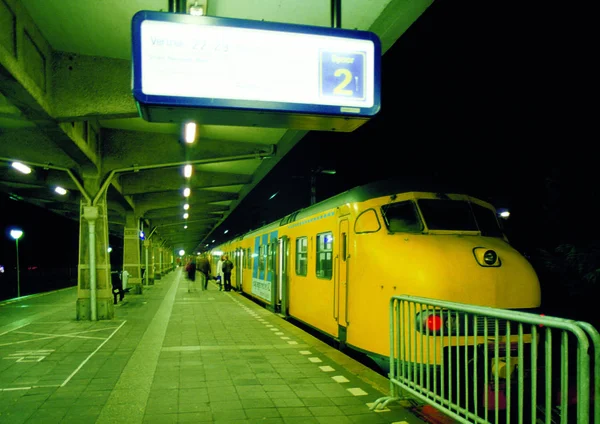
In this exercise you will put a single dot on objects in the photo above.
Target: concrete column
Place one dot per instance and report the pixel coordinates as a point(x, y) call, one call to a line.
point(148, 263)
point(94, 293)
point(157, 260)
point(131, 254)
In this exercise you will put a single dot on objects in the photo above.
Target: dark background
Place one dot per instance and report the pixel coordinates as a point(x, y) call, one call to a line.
point(493, 99)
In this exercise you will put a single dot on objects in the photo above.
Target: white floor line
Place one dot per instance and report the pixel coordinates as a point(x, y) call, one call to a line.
point(90, 355)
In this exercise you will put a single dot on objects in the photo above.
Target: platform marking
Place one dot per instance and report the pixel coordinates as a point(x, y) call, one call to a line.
point(327, 368)
point(39, 355)
point(340, 379)
point(284, 338)
point(356, 391)
point(279, 334)
point(305, 352)
point(293, 343)
point(29, 355)
point(314, 359)
point(91, 354)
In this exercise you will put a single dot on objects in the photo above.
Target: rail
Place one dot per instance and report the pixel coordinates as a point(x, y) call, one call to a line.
point(487, 365)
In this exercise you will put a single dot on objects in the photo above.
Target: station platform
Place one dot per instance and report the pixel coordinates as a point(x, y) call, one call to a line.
point(172, 355)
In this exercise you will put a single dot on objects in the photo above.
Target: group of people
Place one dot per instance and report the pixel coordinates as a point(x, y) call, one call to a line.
point(223, 275)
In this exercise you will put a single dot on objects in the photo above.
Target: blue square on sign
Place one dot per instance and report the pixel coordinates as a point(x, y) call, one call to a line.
point(342, 74)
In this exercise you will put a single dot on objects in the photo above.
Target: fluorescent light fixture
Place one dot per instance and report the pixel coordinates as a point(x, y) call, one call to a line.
point(186, 192)
point(181, 252)
point(185, 227)
point(21, 167)
point(505, 214)
point(225, 232)
point(186, 207)
point(273, 195)
point(190, 132)
point(186, 215)
point(187, 171)
point(60, 191)
point(213, 241)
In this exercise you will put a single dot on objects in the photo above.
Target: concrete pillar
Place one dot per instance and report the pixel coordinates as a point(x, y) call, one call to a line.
point(157, 260)
point(94, 293)
point(148, 263)
point(131, 253)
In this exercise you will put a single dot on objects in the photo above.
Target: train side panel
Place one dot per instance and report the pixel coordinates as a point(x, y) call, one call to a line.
point(311, 279)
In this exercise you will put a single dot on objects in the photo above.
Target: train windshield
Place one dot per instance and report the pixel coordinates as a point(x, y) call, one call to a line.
point(457, 215)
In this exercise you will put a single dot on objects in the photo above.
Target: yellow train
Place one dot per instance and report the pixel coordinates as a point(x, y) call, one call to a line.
point(335, 265)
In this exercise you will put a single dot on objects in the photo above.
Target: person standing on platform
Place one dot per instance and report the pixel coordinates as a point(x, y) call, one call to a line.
point(219, 273)
point(204, 268)
point(226, 268)
point(191, 274)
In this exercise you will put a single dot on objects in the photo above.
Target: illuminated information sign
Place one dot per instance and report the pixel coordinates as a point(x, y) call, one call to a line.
point(241, 72)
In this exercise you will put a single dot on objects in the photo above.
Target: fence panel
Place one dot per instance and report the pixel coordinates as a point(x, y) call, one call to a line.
point(487, 365)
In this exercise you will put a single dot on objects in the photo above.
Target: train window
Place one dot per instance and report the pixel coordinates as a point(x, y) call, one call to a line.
point(273, 256)
point(459, 216)
point(301, 256)
point(367, 222)
point(402, 217)
point(487, 221)
point(262, 256)
point(325, 255)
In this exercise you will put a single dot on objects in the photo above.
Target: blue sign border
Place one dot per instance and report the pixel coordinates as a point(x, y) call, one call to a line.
point(249, 105)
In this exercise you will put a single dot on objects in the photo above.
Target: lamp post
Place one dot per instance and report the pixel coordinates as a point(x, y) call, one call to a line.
point(16, 234)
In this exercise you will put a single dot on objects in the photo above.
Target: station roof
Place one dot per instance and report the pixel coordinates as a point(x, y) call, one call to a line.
point(67, 110)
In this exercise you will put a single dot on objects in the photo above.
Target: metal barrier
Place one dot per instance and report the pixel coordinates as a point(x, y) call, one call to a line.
point(486, 365)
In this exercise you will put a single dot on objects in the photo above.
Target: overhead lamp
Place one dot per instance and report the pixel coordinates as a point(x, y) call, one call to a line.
point(186, 192)
point(21, 167)
point(225, 232)
point(213, 241)
point(186, 207)
point(109, 249)
point(273, 195)
point(181, 252)
point(142, 235)
point(185, 227)
point(186, 215)
point(190, 132)
point(60, 191)
point(198, 9)
point(187, 171)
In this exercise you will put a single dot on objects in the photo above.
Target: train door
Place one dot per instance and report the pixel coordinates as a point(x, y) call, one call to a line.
point(341, 280)
point(239, 268)
point(282, 275)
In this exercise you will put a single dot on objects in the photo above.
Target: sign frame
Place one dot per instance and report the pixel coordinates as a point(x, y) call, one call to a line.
point(224, 111)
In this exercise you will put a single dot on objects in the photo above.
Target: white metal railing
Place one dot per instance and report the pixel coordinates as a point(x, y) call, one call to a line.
point(488, 365)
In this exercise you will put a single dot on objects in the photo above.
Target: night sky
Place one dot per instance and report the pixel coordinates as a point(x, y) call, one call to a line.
point(483, 96)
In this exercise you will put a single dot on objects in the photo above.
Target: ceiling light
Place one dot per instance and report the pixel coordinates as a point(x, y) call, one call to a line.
point(190, 132)
point(181, 252)
point(225, 232)
point(60, 191)
point(21, 167)
point(187, 171)
point(185, 227)
point(186, 192)
point(186, 207)
point(186, 215)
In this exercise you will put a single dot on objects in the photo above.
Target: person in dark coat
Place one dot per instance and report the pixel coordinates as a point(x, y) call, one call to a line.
point(191, 273)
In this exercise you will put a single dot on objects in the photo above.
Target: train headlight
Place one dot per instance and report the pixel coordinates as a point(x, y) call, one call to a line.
point(490, 257)
point(486, 257)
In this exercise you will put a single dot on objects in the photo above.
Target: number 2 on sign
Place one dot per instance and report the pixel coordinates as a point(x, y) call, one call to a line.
point(340, 89)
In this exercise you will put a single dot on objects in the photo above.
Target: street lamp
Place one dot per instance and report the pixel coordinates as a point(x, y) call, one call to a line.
point(16, 234)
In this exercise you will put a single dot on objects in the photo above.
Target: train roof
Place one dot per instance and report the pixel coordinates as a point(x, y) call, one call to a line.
point(359, 194)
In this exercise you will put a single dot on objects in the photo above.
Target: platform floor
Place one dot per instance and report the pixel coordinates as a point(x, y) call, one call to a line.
point(172, 356)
